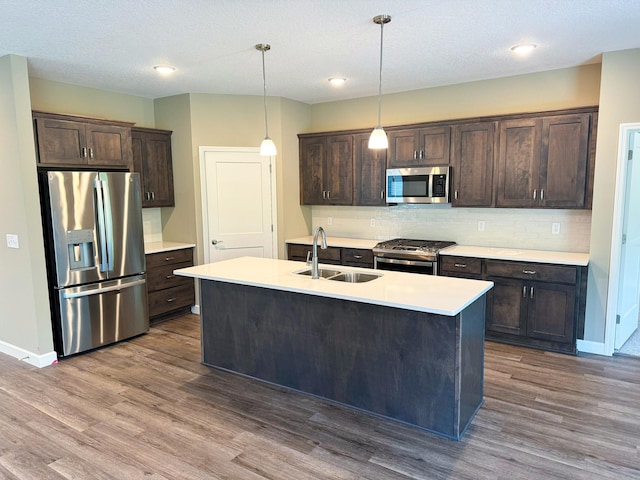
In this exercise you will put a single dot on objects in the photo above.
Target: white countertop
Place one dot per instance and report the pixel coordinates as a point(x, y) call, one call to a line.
point(157, 247)
point(338, 242)
point(424, 293)
point(540, 256)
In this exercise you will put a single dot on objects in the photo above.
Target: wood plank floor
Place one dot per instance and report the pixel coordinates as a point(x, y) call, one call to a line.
point(148, 409)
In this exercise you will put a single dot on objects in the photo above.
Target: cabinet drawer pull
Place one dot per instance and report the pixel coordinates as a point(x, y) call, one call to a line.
point(172, 299)
point(529, 272)
point(168, 259)
point(524, 292)
point(169, 277)
point(357, 257)
point(460, 265)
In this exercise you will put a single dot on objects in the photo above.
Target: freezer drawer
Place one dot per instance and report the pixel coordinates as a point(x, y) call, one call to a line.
point(102, 313)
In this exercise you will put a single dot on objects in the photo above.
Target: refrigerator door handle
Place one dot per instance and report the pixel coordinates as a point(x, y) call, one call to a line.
point(101, 290)
point(104, 230)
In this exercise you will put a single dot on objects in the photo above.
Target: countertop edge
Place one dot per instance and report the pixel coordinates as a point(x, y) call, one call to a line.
point(159, 247)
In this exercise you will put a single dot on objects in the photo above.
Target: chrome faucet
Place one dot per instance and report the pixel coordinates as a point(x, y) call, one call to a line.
point(315, 273)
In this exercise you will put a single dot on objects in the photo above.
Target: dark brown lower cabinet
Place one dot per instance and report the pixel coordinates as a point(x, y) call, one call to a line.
point(531, 304)
point(169, 294)
point(353, 257)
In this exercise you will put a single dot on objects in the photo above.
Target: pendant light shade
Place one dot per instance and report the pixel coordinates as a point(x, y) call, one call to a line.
point(378, 138)
point(267, 147)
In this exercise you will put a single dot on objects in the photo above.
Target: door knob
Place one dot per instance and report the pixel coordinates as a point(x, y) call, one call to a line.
point(214, 242)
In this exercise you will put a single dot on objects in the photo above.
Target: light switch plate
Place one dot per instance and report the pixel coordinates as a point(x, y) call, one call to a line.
point(12, 241)
point(481, 226)
point(555, 228)
point(329, 220)
point(372, 222)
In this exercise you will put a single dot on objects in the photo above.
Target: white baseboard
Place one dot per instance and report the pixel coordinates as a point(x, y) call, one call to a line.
point(37, 360)
point(587, 346)
point(195, 309)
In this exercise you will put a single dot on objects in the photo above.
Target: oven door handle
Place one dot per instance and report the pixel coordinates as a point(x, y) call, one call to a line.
point(398, 261)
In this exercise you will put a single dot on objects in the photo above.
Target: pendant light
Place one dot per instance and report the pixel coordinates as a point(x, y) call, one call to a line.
point(378, 138)
point(267, 147)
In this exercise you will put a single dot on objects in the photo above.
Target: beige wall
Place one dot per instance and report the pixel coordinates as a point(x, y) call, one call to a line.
point(230, 121)
point(58, 97)
point(25, 320)
point(556, 89)
point(619, 103)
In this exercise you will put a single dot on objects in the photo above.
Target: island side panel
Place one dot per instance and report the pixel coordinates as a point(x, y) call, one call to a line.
point(393, 362)
point(471, 362)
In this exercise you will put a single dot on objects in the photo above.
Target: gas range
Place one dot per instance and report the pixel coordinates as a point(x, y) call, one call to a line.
point(403, 248)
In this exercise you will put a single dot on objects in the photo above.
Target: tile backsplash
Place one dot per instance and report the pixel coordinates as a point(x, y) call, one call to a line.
point(487, 227)
point(152, 224)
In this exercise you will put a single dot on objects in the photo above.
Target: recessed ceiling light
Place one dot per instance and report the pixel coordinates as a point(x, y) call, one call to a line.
point(164, 68)
point(523, 48)
point(337, 81)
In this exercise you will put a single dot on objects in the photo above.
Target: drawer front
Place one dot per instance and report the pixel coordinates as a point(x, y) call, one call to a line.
point(465, 265)
point(170, 257)
point(328, 255)
point(162, 277)
point(169, 299)
point(357, 256)
point(532, 271)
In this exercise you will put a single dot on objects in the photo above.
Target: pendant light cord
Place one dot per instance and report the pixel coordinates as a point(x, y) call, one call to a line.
point(380, 81)
point(264, 96)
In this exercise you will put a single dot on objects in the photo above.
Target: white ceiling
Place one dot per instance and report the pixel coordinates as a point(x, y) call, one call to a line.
point(112, 44)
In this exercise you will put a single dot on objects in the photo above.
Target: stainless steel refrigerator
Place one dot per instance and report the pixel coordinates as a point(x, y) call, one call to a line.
point(95, 257)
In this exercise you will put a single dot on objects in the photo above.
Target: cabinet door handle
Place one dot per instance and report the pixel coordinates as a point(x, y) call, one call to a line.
point(535, 193)
point(524, 292)
point(529, 272)
point(455, 194)
point(328, 194)
point(381, 194)
point(415, 154)
point(153, 195)
point(422, 154)
point(324, 194)
point(460, 265)
point(531, 293)
point(542, 194)
point(91, 153)
point(84, 152)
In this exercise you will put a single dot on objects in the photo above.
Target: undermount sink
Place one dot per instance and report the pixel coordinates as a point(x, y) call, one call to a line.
point(322, 272)
point(338, 276)
point(355, 277)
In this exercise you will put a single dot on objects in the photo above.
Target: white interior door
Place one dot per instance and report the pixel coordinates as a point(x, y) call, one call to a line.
point(629, 281)
point(238, 196)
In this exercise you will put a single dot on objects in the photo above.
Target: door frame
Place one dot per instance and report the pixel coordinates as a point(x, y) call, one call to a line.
point(203, 195)
point(616, 237)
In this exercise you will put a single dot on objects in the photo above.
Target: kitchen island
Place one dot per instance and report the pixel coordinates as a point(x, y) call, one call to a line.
point(404, 346)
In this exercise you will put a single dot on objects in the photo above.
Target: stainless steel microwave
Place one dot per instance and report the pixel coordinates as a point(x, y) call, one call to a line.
point(418, 185)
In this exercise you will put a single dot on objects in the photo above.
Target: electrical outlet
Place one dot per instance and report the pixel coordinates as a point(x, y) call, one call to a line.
point(372, 222)
point(555, 228)
point(329, 220)
point(481, 226)
point(12, 241)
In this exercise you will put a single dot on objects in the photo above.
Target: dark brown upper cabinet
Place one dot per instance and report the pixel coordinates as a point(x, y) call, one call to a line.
point(369, 173)
point(69, 141)
point(326, 170)
point(416, 147)
point(152, 159)
point(544, 162)
point(472, 156)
